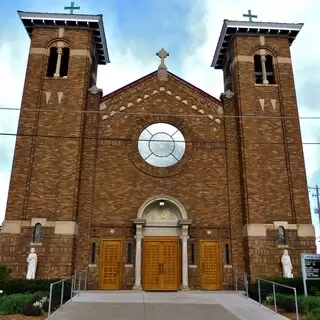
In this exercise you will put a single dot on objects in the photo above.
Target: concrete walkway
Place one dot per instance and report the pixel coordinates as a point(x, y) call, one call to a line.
point(193, 305)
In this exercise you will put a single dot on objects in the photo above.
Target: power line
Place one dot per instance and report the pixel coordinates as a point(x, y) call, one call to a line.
point(147, 140)
point(157, 114)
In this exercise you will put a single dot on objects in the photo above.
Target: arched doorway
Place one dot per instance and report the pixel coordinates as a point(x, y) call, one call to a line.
point(163, 224)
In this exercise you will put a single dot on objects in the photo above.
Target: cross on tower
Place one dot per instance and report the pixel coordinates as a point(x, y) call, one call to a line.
point(162, 54)
point(71, 8)
point(249, 15)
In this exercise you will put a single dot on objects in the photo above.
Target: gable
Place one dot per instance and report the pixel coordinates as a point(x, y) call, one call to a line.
point(130, 98)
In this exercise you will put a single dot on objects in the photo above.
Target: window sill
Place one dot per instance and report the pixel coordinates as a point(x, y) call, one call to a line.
point(283, 246)
point(92, 265)
point(54, 78)
point(265, 85)
point(36, 244)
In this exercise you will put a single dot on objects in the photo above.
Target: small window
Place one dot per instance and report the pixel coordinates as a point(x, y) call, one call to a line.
point(193, 254)
point(227, 252)
point(93, 253)
point(281, 236)
point(37, 232)
point(258, 69)
point(64, 62)
point(129, 257)
point(52, 62)
point(270, 70)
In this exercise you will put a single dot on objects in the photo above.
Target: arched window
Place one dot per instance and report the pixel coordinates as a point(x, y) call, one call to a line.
point(281, 236)
point(37, 232)
point(263, 69)
point(58, 62)
point(52, 62)
point(270, 70)
point(258, 69)
point(64, 62)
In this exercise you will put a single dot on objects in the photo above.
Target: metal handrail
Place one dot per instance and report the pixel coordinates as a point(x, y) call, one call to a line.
point(274, 284)
point(62, 281)
point(81, 272)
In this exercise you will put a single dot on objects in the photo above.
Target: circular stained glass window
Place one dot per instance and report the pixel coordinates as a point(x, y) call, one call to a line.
point(161, 145)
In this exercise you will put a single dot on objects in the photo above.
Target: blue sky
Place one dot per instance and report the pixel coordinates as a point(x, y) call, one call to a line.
point(188, 30)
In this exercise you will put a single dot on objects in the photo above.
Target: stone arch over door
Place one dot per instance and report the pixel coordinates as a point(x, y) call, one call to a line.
point(162, 216)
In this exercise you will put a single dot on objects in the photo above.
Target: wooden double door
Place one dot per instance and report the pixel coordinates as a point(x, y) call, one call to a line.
point(161, 267)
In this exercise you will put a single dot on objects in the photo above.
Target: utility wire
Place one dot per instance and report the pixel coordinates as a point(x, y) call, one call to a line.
point(157, 114)
point(153, 140)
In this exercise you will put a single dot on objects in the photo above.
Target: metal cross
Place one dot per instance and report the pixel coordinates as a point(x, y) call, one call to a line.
point(249, 15)
point(162, 54)
point(71, 8)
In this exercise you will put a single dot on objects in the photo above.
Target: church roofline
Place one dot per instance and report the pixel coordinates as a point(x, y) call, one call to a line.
point(93, 22)
point(231, 27)
point(155, 73)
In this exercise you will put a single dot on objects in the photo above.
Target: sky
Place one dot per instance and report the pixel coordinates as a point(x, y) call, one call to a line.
point(188, 30)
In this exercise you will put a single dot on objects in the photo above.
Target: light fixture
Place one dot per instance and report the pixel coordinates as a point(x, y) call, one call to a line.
point(161, 203)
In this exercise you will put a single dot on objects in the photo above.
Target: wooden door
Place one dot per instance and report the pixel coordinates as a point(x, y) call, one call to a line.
point(151, 265)
point(210, 277)
point(110, 264)
point(160, 264)
point(169, 269)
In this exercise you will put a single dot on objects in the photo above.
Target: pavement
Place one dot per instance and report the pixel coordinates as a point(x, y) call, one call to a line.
point(191, 305)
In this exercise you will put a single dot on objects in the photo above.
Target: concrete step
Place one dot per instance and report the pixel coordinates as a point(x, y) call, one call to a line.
point(192, 305)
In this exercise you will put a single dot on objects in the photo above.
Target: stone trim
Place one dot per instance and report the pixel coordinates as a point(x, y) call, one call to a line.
point(242, 58)
point(60, 227)
point(305, 230)
point(283, 60)
point(35, 244)
point(81, 52)
point(260, 230)
point(34, 50)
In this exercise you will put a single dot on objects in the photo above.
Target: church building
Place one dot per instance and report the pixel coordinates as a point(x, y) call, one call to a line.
point(158, 185)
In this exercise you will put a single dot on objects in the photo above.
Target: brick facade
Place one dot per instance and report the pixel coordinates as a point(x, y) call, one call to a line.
point(83, 169)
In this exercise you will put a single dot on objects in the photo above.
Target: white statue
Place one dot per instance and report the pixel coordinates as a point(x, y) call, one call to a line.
point(32, 264)
point(286, 265)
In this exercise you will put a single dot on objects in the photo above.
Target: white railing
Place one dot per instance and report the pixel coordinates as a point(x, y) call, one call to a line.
point(62, 291)
point(75, 287)
point(79, 275)
point(274, 284)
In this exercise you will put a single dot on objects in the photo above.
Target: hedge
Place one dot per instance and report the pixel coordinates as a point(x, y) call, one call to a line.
point(266, 288)
point(11, 286)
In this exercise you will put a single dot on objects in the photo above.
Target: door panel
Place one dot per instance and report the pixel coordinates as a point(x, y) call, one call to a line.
point(210, 265)
point(160, 264)
point(151, 253)
point(110, 264)
point(170, 265)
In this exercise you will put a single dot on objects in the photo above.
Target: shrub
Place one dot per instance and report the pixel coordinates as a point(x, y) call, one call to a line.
point(284, 302)
point(309, 303)
point(314, 315)
point(13, 286)
point(4, 272)
point(266, 288)
point(31, 310)
point(14, 303)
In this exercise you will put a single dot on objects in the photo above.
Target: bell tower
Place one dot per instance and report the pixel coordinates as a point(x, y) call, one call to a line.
point(257, 70)
point(65, 51)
